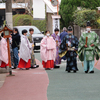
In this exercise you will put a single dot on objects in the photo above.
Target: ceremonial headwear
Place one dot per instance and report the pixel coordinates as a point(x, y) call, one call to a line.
point(88, 23)
point(70, 28)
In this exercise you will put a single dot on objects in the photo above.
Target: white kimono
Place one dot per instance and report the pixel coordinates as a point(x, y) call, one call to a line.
point(25, 48)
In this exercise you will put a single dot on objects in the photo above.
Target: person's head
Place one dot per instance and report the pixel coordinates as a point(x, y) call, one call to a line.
point(88, 27)
point(56, 31)
point(15, 30)
point(2, 34)
point(47, 33)
point(65, 29)
point(70, 30)
point(31, 30)
point(24, 32)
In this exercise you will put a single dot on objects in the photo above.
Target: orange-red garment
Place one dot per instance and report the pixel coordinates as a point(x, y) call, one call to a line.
point(3, 65)
point(23, 64)
point(48, 64)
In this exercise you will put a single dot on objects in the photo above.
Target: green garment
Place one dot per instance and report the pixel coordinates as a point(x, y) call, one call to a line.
point(33, 62)
point(91, 52)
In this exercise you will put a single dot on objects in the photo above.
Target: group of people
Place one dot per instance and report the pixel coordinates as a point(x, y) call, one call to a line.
point(22, 50)
point(68, 47)
point(53, 48)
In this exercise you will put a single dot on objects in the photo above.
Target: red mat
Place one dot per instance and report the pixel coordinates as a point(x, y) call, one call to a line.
point(26, 85)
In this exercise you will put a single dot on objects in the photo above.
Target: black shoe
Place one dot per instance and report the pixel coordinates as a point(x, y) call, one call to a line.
point(27, 68)
point(91, 72)
point(74, 71)
point(56, 66)
point(86, 71)
point(47, 69)
point(14, 68)
point(69, 71)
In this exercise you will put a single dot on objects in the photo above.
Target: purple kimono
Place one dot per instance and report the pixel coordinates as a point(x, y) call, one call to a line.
point(58, 41)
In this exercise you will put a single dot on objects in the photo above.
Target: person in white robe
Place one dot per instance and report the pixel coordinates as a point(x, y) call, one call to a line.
point(25, 52)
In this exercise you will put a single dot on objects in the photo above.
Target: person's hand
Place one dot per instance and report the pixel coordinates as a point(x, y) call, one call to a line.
point(92, 45)
point(85, 46)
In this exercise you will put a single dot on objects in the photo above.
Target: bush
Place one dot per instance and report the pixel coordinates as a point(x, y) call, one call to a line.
point(23, 19)
point(82, 16)
point(98, 21)
point(67, 8)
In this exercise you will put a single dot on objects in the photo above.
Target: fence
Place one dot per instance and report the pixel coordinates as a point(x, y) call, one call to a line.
point(79, 30)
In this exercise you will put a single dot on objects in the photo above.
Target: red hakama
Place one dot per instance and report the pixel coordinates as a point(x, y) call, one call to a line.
point(23, 64)
point(3, 65)
point(48, 64)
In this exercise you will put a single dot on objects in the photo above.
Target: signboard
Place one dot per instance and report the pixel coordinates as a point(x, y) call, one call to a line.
point(55, 22)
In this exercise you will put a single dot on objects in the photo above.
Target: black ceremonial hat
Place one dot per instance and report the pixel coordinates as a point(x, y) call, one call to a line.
point(70, 28)
point(88, 23)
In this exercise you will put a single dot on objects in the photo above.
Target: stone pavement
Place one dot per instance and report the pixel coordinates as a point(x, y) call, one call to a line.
point(26, 85)
point(73, 86)
point(2, 79)
point(62, 85)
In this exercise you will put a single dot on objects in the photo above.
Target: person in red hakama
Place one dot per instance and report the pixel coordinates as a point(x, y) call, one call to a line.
point(3, 53)
point(25, 52)
point(48, 51)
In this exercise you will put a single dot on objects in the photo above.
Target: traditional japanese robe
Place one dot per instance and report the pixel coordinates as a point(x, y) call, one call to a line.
point(57, 38)
point(25, 53)
point(3, 53)
point(33, 62)
point(70, 52)
point(88, 54)
point(62, 35)
point(48, 52)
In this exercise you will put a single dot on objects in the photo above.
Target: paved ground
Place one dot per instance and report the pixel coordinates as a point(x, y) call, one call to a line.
point(73, 86)
point(2, 79)
point(62, 85)
point(26, 85)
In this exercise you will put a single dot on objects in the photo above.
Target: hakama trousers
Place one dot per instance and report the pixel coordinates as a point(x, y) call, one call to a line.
point(3, 65)
point(88, 65)
point(48, 64)
point(23, 64)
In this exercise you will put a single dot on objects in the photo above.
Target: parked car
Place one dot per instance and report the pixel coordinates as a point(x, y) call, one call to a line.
point(37, 36)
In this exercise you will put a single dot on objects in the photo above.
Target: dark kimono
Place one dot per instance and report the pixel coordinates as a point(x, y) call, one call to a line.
point(71, 54)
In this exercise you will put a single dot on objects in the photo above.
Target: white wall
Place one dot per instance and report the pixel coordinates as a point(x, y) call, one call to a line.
point(38, 9)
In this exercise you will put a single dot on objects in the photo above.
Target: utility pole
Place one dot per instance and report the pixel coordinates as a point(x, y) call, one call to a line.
point(9, 13)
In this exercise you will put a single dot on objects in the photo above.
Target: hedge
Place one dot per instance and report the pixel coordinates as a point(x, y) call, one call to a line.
point(24, 19)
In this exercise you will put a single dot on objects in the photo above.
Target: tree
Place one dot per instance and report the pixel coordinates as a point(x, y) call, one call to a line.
point(67, 8)
point(82, 16)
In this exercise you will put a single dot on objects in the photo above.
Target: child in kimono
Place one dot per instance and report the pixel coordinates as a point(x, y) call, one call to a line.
point(48, 51)
point(25, 52)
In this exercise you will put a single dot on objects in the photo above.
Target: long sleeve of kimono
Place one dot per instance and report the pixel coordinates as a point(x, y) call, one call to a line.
point(81, 44)
point(43, 50)
point(96, 43)
point(77, 42)
point(63, 46)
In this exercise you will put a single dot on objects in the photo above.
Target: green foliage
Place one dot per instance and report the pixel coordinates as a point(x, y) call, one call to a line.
point(23, 19)
point(41, 24)
point(98, 21)
point(67, 8)
point(19, 20)
point(82, 16)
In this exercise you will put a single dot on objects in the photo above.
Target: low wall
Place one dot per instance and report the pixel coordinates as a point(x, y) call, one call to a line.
point(79, 30)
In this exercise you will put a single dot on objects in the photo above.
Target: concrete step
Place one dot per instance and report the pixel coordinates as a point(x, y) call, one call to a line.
point(4, 70)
